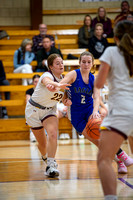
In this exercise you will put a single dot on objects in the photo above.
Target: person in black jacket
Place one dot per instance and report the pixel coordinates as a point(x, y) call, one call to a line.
point(3, 81)
point(97, 43)
point(85, 32)
point(44, 53)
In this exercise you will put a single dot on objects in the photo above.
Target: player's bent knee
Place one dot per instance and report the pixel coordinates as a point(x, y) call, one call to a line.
point(52, 135)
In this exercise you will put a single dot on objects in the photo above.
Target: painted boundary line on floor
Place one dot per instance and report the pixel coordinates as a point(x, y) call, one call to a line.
point(127, 183)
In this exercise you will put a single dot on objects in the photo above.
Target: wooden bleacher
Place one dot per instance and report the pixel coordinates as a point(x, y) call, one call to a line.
point(78, 11)
point(7, 55)
point(13, 129)
point(69, 65)
point(16, 129)
point(21, 75)
point(9, 67)
point(59, 43)
point(15, 102)
point(58, 34)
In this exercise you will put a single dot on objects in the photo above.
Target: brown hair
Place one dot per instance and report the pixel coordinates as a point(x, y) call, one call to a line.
point(87, 53)
point(35, 76)
point(51, 59)
point(87, 16)
point(87, 33)
point(126, 3)
point(124, 32)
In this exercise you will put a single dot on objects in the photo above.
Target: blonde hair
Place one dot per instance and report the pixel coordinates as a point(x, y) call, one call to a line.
point(24, 43)
point(98, 18)
point(51, 59)
point(98, 24)
point(124, 32)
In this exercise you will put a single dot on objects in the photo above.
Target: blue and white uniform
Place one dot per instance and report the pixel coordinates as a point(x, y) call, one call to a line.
point(80, 94)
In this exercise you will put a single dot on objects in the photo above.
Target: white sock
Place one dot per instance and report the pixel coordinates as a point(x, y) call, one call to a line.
point(110, 197)
point(50, 160)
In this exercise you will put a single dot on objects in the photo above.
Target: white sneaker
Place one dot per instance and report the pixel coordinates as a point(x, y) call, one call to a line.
point(62, 136)
point(67, 137)
point(32, 137)
point(51, 170)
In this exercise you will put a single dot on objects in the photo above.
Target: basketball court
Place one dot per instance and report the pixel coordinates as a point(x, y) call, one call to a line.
point(22, 173)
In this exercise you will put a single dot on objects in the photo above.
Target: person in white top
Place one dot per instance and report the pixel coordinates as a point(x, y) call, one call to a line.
point(117, 68)
point(40, 111)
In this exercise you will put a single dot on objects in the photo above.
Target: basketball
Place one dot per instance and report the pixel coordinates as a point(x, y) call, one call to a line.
point(92, 128)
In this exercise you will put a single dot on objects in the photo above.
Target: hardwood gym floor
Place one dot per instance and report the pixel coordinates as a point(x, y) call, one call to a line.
point(22, 173)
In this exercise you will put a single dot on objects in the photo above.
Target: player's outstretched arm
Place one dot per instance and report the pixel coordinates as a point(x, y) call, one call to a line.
point(54, 86)
point(70, 77)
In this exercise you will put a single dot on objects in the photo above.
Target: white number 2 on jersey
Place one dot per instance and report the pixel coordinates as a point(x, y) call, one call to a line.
point(83, 99)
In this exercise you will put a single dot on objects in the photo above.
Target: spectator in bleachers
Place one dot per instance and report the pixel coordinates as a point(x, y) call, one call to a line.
point(103, 19)
point(22, 59)
point(97, 43)
point(85, 32)
point(125, 10)
point(44, 53)
point(37, 39)
point(3, 81)
point(29, 93)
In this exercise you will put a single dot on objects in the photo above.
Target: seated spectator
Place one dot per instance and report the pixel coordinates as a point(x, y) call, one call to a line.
point(3, 81)
point(97, 43)
point(125, 10)
point(37, 39)
point(44, 53)
point(130, 17)
point(103, 19)
point(85, 32)
point(22, 59)
point(29, 93)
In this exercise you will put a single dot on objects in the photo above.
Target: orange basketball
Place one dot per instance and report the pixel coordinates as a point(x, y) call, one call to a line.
point(92, 128)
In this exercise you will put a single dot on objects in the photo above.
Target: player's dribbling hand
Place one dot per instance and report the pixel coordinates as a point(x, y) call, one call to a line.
point(95, 115)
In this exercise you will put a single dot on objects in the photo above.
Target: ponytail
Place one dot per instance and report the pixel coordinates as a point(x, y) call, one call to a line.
point(124, 32)
point(126, 46)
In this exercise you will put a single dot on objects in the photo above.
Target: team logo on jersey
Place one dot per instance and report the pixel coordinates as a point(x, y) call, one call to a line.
point(83, 90)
